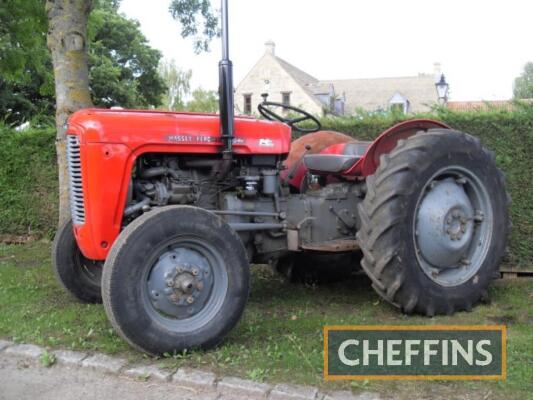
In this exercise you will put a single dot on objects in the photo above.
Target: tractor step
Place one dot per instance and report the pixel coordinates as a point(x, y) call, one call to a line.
point(332, 246)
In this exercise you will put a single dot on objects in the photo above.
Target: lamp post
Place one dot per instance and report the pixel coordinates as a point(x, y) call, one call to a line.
point(266, 90)
point(442, 90)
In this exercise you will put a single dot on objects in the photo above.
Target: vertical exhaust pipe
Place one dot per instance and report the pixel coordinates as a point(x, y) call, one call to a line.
point(225, 90)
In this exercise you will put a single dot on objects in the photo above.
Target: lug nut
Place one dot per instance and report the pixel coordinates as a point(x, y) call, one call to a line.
point(195, 271)
point(190, 299)
point(170, 282)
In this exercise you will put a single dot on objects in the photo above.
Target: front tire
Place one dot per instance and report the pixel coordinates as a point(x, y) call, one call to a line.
point(176, 278)
point(79, 276)
point(434, 223)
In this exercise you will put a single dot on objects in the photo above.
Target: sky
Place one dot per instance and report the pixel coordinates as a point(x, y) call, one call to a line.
point(482, 45)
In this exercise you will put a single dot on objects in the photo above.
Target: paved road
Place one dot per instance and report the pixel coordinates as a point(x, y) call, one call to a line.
point(22, 380)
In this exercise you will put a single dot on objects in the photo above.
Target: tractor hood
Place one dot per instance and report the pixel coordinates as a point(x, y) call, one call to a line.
point(183, 132)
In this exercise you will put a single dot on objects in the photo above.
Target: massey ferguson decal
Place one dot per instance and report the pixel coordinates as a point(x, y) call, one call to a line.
point(200, 139)
point(193, 139)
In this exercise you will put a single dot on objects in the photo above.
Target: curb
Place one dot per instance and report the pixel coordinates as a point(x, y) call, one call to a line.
point(190, 379)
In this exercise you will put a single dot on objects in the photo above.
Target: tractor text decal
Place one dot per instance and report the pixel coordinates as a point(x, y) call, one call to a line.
point(200, 139)
point(449, 352)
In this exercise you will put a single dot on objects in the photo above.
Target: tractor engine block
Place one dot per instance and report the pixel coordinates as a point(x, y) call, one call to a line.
point(252, 199)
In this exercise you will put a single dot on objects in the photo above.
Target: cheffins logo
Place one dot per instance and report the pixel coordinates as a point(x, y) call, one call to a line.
point(414, 352)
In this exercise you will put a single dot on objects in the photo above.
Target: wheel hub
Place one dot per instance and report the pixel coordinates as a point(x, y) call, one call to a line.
point(445, 224)
point(180, 283)
point(452, 226)
point(456, 224)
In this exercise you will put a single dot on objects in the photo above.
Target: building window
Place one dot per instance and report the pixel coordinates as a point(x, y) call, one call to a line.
point(286, 98)
point(248, 104)
point(399, 103)
point(397, 108)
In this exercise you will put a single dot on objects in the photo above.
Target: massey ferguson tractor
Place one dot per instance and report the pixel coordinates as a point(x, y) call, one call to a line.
point(170, 209)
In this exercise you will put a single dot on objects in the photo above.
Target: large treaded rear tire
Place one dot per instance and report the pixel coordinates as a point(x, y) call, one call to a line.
point(78, 275)
point(387, 234)
point(137, 261)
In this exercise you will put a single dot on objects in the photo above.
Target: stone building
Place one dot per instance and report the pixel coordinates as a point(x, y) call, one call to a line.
point(288, 84)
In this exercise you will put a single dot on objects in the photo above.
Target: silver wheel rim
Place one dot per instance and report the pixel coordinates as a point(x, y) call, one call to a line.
point(452, 226)
point(186, 285)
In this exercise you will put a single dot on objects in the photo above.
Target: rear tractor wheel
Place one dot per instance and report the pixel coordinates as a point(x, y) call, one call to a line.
point(434, 223)
point(176, 278)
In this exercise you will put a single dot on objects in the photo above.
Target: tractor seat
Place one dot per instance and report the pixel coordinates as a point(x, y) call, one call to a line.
point(334, 163)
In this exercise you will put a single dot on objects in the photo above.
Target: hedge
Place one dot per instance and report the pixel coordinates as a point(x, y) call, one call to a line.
point(28, 182)
point(28, 186)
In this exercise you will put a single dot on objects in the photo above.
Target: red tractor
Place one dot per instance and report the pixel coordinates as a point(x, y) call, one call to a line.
point(169, 210)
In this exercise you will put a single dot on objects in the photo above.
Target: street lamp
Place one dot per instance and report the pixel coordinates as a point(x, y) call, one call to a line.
point(442, 89)
point(266, 90)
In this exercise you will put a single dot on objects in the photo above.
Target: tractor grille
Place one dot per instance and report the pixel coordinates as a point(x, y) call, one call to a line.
point(76, 188)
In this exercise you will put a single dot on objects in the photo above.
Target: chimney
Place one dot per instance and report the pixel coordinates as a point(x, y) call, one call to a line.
point(270, 47)
point(437, 70)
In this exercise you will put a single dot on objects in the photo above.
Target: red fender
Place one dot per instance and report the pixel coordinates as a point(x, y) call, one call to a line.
point(385, 142)
point(329, 142)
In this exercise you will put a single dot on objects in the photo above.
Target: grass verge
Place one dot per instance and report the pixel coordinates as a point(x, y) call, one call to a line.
point(279, 338)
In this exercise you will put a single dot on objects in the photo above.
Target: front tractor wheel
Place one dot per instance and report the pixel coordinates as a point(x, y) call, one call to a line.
point(434, 223)
point(176, 278)
point(79, 276)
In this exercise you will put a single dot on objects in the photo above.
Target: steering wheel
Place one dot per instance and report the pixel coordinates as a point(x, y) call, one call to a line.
point(266, 112)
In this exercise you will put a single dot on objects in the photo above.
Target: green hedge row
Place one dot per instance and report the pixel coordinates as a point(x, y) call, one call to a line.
point(28, 185)
point(28, 182)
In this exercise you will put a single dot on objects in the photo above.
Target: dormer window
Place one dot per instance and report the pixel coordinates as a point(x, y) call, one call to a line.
point(399, 103)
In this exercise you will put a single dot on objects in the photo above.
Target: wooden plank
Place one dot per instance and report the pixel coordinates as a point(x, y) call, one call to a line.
point(517, 270)
point(509, 275)
point(513, 273)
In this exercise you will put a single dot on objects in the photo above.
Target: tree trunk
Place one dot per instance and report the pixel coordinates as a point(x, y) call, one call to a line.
point(67, 41)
